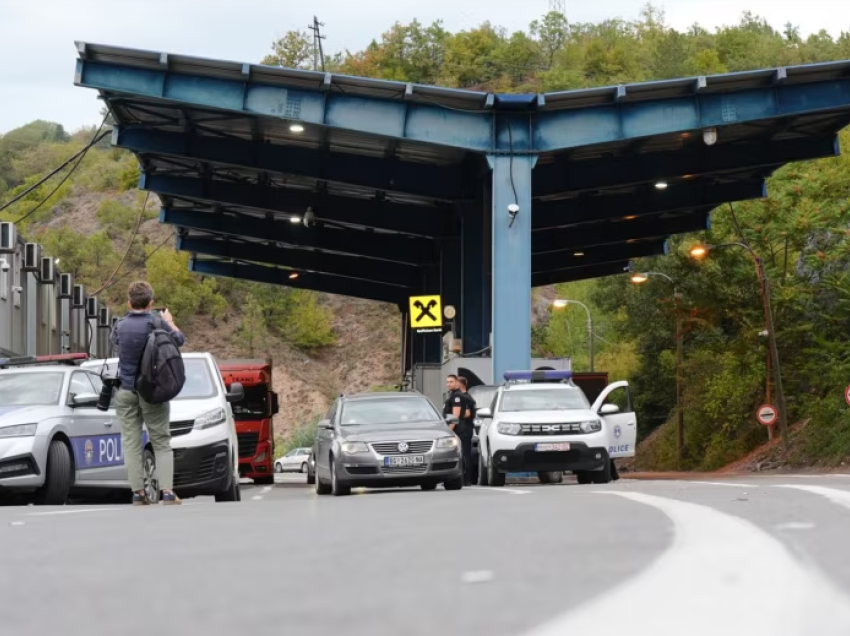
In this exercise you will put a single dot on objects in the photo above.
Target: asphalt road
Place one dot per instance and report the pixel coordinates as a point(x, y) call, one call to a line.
point(746, 555)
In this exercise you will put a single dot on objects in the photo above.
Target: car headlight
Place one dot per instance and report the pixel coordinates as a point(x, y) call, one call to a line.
point(447, 442)
point(509, 428)
point(591, 426)
point(210, 419)
point(19, 430)
point(352, 448)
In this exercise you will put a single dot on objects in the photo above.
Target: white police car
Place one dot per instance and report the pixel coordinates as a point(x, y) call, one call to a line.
point(541, 422)
point(55, 443)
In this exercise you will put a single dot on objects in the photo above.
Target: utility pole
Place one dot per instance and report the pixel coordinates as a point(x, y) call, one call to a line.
point(558, 6)
point(318, 53)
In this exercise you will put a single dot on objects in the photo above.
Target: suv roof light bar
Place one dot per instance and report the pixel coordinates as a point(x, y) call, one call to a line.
point(64, 358)
point(539, 375)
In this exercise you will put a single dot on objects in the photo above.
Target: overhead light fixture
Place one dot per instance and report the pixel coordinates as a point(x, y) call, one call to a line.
point(639, 278)
point(579, 254)
point(631, 217)
point(560, 303)
point(709, 136)
point(661, 185)
point(295, 219)
point(293, 276)
point(296, 128)
point(698, 251)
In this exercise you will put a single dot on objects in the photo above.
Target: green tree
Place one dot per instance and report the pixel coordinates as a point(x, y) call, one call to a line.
point(252, 334)
point(293, 50)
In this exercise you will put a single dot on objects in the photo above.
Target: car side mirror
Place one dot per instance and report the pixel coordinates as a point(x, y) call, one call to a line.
point(609, 409)
point(84, 400)
point(326, 424)
point(236, 392)
point(451, 419)
point(483, 413)
point(275, 404)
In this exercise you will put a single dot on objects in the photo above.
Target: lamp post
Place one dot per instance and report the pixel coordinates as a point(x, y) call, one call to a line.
point(638, 279)
point(560, 303)
point(701, 251)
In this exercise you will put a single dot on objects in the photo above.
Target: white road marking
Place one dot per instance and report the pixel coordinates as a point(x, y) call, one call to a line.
point(480, 576)
point(734, 576)
point(840, 497)
point(72, 511)
point(724, 483)
point(16, 523)
point(796, 525)
point(510, 491)
point(263, 492)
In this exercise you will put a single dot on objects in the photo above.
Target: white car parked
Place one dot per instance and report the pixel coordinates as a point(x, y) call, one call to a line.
point(543, 423)
point(295, 461)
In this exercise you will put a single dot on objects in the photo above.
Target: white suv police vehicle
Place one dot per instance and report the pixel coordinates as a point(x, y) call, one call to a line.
point(541, 422)
point(54, 442)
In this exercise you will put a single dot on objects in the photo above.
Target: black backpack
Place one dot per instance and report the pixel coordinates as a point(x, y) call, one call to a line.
point(161, 373)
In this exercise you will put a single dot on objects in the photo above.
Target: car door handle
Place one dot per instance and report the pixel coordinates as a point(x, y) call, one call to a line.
point(108, 424)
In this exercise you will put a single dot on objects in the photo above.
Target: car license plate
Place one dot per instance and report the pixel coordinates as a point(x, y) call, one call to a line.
point(405, 460)
point(562, 446)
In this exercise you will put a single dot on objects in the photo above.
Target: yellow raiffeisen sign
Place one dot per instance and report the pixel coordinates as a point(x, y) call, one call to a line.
point(426, 314)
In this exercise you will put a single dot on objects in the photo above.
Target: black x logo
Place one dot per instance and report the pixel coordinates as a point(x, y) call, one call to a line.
point(425, 310)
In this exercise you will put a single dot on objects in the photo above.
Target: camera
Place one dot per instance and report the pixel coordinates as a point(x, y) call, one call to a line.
point(110, 383)
point(4, 265)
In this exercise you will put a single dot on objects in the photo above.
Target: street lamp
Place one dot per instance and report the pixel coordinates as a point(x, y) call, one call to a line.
point(642, 277)
point(561, 303)
point(700, 251)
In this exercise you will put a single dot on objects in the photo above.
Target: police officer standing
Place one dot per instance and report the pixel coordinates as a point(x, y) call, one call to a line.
point(467, 429)
point(454, 402)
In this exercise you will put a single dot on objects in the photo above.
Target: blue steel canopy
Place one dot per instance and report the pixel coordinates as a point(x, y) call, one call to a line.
point(393, 172)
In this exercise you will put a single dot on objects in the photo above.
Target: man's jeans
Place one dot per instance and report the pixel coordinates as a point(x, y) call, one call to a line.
point(132, 411)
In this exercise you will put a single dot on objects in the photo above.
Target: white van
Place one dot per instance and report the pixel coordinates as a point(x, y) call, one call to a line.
point(203, 433)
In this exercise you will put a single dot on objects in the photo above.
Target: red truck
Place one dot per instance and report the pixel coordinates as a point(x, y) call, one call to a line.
point(253, 416)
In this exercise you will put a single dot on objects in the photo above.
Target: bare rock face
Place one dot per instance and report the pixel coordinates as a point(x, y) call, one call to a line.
point(541, 303)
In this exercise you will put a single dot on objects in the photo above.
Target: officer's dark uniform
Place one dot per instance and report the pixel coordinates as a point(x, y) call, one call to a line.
point(463, 429)
point(468, 430)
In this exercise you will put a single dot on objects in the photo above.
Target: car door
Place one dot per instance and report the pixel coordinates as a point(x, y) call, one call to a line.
point(116, 472)
point(288, 460)
point(621, 422)
point(97, 447)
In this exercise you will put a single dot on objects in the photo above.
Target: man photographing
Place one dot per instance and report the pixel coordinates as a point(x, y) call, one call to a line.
point(129, 338)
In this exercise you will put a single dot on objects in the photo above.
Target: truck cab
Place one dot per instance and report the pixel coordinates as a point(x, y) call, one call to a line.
point(253, 416)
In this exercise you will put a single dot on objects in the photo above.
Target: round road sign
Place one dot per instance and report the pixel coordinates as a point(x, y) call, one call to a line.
point(767, 414)
point(847, 395)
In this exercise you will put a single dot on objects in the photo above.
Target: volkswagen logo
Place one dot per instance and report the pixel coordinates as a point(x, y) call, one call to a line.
point(403, 447)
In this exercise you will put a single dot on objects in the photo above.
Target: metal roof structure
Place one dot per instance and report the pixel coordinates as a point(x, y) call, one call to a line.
point(393, 172)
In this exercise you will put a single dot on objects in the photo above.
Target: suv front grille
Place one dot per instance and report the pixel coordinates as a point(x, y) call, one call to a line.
point(181, 428)
point(414, 448)
point(248, 444)
point(566, 428)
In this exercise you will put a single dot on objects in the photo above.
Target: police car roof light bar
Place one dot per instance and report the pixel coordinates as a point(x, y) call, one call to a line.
point(539, 375)
point(64, 358)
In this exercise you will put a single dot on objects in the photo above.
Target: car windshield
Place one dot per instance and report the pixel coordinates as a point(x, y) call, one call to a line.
point(483, 395)
point(199, 384)
point(387, 411)
point(30, 389)
point(561, 399)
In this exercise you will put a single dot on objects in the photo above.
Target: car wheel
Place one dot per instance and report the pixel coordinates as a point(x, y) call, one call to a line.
point(601, 476)
point(232, 493)
point(454, 484)
point(428, 487)
point(494, 477)
point(482, 472)
point(311, 476)
point(304, 467)
point(337, 489)
point(550, 477)
point(151, 481)
point(60, 474)
point(583, 477)
point(278, 468)
point(321, 487)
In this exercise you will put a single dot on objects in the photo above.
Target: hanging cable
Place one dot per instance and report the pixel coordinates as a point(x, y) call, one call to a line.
point(135, 269)
point(79, 156)
point(106, 285)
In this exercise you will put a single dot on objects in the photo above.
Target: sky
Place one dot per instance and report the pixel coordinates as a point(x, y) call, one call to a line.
point(37, 36)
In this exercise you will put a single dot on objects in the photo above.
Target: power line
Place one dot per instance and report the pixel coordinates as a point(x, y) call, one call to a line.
point(107, 284)
point(318, 52)
point(558, 6)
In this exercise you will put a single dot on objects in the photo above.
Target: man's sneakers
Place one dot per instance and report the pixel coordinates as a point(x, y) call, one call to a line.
point(170, 499)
